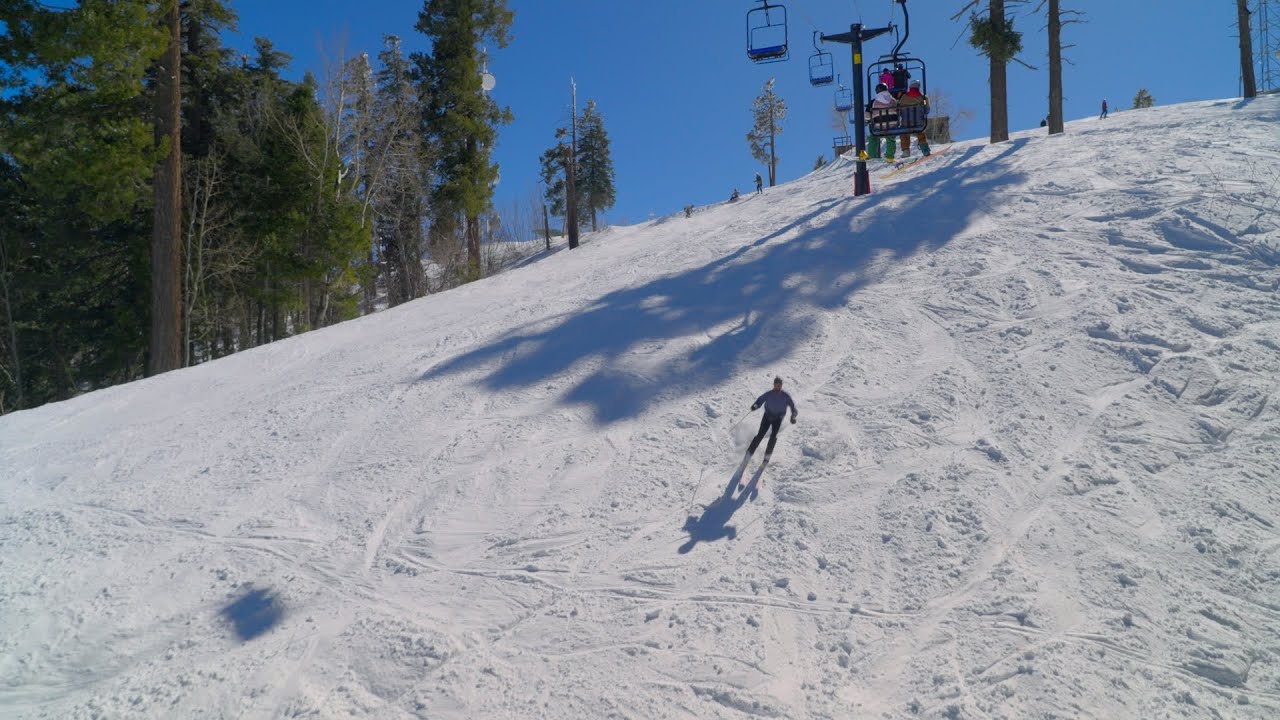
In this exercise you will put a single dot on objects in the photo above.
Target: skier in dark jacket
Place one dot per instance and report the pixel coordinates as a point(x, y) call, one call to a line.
point(775, 403)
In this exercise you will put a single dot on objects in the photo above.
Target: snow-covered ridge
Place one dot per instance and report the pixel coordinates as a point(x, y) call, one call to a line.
point(1035, 474)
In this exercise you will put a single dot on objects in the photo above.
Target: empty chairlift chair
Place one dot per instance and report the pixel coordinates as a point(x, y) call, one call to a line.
point(822, 66)
point(767, 33)
point(844, 99)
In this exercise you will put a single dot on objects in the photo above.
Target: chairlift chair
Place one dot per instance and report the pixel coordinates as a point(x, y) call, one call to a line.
point(899, 69)
point(902, 120)
point(844, 99)
point(822, 66)
point(767, 33)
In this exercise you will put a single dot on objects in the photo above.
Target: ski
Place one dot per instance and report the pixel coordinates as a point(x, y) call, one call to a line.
point(917, 161)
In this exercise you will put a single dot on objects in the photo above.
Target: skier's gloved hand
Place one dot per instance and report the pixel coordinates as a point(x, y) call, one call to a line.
point(793, 419)
point(753, 407)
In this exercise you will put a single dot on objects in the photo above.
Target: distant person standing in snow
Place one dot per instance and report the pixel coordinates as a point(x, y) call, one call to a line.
point(759, 183)
point(775, 403)
point(1104, 109)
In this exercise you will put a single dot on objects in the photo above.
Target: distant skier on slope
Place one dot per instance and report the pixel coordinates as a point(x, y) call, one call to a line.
point(775, 403)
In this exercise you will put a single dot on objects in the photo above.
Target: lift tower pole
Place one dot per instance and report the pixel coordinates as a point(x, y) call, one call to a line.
point(855, 37)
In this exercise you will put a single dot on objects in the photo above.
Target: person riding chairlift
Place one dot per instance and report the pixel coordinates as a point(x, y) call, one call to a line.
point(913, 98)
point(880, 117)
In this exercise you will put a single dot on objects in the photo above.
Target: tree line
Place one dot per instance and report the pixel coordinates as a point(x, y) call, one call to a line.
point(166, 200)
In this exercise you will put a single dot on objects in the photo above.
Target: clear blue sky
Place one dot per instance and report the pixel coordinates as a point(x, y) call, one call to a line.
point(675, 86)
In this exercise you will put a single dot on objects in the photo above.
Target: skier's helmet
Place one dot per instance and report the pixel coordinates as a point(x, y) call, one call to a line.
point(913, 83)
point(881, 87)
point(777, 381)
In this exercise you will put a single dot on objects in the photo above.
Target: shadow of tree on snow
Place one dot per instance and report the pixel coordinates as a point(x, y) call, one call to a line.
point(823, 266)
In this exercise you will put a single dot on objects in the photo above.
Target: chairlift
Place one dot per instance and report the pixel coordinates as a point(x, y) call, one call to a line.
point(844, 99)
point(767, 33)
point(822, 66)
point(897, 71)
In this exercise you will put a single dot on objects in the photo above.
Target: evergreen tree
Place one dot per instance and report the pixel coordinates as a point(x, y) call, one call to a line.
point(458, 117)
point(594, 175)
point(768, 111)
point(993, 35)
point(165, 350)
point(1248, 80)
point(398, 175)
point(74, 185)
point(820, 163)
point(1055, 23)
point(1143, 99)
point(554, 173)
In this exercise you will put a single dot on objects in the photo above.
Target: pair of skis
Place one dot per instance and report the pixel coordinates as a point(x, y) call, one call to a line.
point(757, 479)
point(917, 161)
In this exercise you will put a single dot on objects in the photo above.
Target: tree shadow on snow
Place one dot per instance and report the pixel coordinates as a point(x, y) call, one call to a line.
point(253, 613)
point(743, 303)
point(713, 524)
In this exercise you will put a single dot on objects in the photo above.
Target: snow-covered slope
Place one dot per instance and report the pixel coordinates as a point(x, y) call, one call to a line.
point(1035, 474)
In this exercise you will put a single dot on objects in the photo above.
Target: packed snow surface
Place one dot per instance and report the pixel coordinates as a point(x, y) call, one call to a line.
point(1036, 472)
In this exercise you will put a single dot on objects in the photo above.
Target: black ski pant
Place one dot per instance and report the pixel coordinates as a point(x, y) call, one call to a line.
point(766, 422)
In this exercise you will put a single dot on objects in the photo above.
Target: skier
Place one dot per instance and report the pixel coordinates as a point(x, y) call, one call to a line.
point(759, 184)
point(775, 404)
point(1104, 109)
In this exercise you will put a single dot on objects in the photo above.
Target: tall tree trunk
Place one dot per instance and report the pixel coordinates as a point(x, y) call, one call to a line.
point(13, 331)
point(571, 200)
point(371, 283)
point(166, 233)
point(546, 226)
point(999, 84)
point(570, 203)
point(196, 100)
point(1055, 67)
point(773, 158)
point(473, 244)
point(1246, 49)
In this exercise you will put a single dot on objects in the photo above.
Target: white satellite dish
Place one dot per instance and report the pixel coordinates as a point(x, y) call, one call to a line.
point(487, 81)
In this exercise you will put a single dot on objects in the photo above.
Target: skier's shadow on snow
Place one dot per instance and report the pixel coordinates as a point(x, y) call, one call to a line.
point(713, 524)
point(739, 302)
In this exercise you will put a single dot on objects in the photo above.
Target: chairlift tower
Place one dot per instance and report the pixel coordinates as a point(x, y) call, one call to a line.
point(854, 38)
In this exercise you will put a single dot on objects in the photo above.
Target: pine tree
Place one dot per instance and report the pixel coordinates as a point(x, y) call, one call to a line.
point(398, 177)
point(165, 351)
point(554, 174)
point(1055, 23)
point(1143, 99)
point(594, 175)
point(458, 117)
point(994, 36)
point(768, 111)
point(820, 163)
point(1248, 80)
point(74, 185)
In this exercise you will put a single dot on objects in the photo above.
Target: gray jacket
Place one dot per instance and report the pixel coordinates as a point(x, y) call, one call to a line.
point(775, 403)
